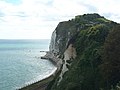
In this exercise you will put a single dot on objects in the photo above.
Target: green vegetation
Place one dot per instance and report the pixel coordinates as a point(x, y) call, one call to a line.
point(97, 65)
point(111, 58)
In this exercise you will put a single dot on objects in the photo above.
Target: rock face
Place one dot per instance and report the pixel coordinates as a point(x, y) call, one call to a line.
point(77, 43)
point(62, 44)
point(53, 43)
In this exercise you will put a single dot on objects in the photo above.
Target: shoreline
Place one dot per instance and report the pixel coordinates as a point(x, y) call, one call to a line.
point(38, 85)
point(54, 59)
point(42, 84)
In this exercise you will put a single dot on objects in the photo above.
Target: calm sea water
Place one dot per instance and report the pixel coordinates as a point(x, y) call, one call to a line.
point(20, 63)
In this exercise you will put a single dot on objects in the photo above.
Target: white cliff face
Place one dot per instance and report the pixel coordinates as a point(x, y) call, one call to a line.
point(59, 43)
point(53, 44)
point(69, 53)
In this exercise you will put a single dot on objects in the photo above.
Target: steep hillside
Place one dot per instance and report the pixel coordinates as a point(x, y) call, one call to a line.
point(79, 43)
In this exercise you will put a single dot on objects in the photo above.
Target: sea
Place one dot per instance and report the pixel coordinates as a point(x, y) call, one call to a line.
point(20, 63)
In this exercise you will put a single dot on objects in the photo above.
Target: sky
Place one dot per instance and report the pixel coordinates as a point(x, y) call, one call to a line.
point(37, 19)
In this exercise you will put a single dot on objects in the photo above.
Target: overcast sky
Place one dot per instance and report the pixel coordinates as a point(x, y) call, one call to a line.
point(36, 19)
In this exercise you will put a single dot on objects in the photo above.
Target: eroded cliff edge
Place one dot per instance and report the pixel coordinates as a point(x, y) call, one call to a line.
point(77, 46)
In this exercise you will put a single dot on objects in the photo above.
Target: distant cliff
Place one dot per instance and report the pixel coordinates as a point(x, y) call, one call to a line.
point(79, 45)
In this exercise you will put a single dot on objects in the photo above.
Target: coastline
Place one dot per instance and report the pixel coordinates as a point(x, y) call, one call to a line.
point(54, 59)
point(42, 84)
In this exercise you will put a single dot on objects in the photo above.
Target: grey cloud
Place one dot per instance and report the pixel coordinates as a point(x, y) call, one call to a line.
point(2, 14)
point(49, 3)
point(20, 14)
point(90, 7)
point(2, 20)
point(108, 14)
point(55, 18)
point(45, 2)
point(111, 15)
point(14, 2)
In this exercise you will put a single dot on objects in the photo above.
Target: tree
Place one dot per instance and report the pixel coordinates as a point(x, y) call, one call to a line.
point(111, 58)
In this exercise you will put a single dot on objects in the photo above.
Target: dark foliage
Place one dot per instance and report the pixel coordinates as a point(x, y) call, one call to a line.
point(111, 58)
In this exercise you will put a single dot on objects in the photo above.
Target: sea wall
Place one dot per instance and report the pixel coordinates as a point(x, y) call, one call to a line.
point(37, 85)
